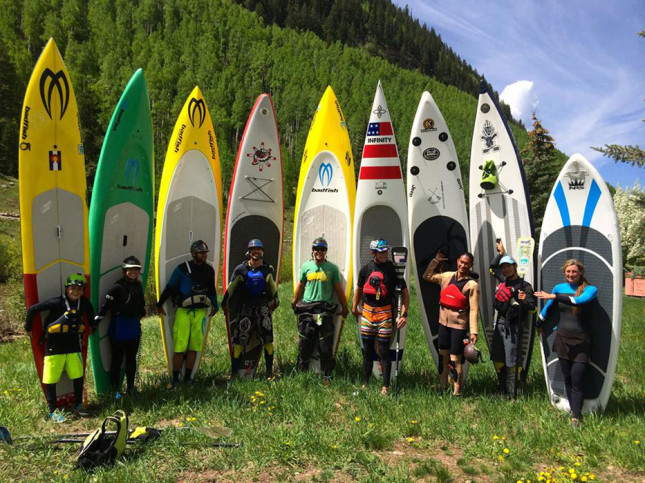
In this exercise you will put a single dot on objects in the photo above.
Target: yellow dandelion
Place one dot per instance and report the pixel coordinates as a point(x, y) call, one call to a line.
point(501, 458)
point(541, 478)
point(584, 478)
point(410, 440)
point(357, 418)
point(503, 438)
point(258, 393)
point(573, 476)
point(506, 450)
point(335, 446)
point(637, 442)
point(495, 437)
point(263, 402)
point(5, 392)
point(66, 477)
point(180, 424)
point(577, 463)
point(287, 443)
point(414, 421)
point(592, 476)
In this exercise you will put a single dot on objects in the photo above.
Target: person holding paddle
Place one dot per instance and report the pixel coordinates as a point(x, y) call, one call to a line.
point(514, 300)
point(375, 291)
point(458, 314)
point(574, 299)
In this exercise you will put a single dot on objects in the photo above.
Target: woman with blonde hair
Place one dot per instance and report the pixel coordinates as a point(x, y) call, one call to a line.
point(574, 299)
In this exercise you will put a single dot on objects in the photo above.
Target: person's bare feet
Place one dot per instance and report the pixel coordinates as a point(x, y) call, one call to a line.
point(384, 391)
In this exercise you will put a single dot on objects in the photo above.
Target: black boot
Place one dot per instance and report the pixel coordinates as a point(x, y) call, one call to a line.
point(268, 359)
point(501, 381)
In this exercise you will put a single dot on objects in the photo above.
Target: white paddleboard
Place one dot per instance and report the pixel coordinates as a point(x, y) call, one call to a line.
point(502, 212)
point(255, 206)
point(580, 222)
point(437, 209)
point(381, 207)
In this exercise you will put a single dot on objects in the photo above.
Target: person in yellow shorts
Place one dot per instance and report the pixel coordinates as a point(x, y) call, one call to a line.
point(69, 315)
point(192, 287)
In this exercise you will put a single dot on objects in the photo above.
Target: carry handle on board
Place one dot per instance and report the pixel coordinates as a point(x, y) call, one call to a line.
point(400, 260)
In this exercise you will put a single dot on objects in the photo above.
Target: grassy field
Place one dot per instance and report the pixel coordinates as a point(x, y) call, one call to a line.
point(294, 428)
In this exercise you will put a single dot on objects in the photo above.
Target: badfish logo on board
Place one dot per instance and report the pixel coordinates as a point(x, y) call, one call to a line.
point(51, 83)
point(131, 173)
point(325, 173)
point(197, 106)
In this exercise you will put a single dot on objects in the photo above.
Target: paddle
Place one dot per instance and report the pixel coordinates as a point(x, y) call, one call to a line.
point(399, 258)
point(525, 247)
point(210, 431)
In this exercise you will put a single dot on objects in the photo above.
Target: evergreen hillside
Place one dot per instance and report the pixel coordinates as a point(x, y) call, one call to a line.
point(226, 50)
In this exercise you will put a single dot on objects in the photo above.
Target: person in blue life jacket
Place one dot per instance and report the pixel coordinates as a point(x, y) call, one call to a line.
point(192, 288)
point(374, 304)
point(458, 315)
point(574, 299)
point(514, 301)
point(313, 302)
point(63, 329)
point(126, 302)
point(250, 299)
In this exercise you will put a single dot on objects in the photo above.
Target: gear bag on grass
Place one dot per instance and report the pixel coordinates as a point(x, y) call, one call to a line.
point(101, 448)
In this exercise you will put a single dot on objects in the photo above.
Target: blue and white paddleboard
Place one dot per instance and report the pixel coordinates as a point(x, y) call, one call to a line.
point(580, 222)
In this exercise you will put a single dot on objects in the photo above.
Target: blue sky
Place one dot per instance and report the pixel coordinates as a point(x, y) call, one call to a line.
point(579, 64)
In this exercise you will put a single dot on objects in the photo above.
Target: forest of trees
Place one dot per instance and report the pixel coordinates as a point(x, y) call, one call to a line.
point(234, 56)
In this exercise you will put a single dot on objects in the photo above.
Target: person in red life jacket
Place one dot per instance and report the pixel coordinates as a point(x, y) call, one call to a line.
point(375, 293)
point(575, 300)
point(513, 301)
point(126, 302)
point(63, 328)
point(458, 314)
point(249, 300)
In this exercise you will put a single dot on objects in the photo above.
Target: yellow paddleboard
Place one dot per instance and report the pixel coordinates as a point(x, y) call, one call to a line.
point(326, 195)
point(53, 208)
point(189, 206)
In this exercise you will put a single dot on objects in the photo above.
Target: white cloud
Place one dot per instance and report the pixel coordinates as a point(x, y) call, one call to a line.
point(522, 100)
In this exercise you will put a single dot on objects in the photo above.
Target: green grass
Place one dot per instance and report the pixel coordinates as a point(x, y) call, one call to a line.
point(295, 428)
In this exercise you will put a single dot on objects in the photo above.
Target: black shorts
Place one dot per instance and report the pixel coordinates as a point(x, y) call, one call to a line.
point(452, 339)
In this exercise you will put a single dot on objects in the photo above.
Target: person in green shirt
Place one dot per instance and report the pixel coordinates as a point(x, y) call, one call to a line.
point(314, 303)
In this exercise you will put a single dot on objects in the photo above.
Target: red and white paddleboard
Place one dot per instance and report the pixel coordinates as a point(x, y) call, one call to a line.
point(381, 209)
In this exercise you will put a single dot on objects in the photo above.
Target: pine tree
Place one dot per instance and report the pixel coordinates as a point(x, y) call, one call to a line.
point(629, 154)
point(542, 163)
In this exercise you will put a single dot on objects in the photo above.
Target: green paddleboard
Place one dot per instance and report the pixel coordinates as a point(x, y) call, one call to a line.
point(121, 211)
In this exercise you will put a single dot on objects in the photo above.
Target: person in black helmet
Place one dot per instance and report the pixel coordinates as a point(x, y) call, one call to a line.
point(318, 282)
point(67, 318)
point(250, 298)
point(127, 306)
point(192, 286)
